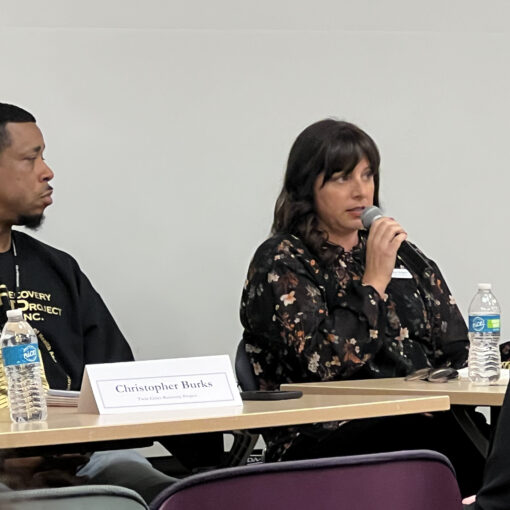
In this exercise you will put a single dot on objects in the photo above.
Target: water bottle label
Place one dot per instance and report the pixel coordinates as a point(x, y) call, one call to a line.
point(484, 323)
point(20, 354)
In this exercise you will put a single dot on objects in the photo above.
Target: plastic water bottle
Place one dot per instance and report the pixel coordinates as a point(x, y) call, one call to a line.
point(20, 353)
point(484, 363)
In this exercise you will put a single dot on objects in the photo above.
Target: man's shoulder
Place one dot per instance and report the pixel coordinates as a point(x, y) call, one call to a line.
point(27, 242)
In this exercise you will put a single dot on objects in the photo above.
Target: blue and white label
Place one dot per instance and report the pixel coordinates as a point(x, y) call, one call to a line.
point(20, 354)
point(484, 323)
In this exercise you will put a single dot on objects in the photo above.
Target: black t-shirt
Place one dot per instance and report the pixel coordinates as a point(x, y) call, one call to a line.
point(7, 269)
point(71, 321)
point(7, 281)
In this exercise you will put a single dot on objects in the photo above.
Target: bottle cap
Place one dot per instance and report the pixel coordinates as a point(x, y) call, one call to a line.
point(484, 286)
point(17, 313)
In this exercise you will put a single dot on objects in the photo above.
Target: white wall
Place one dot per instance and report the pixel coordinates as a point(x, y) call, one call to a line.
point(168, 125)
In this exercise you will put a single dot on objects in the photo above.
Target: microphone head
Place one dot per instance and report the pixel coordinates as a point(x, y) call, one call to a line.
point(369, 215)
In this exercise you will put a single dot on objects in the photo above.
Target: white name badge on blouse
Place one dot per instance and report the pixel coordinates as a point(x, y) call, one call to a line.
point(159, 385)
point(401, 272)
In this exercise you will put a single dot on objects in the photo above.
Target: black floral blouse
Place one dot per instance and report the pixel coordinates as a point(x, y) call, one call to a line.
point(304, 322)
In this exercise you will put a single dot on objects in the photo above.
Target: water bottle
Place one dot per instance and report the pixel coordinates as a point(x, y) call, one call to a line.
point(484, 362)
point(20, 353)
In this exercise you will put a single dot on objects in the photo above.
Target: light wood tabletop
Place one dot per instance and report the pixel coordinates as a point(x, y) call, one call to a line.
point(460, 391)
point(66, 425)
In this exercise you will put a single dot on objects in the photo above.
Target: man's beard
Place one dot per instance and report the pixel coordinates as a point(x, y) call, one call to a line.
point(32, 221)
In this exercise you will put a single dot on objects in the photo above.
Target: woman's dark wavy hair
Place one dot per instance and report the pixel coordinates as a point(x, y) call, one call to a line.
point(328, 146)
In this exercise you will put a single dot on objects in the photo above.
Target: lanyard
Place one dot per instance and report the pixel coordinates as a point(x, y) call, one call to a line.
point(5, 300)
point(16, 271)
point(16, 276)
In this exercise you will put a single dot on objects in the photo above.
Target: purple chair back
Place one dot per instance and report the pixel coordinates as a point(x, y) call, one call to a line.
point(408, 480)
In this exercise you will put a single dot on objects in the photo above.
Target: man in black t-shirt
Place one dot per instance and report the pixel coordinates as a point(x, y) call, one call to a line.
point(72, 323)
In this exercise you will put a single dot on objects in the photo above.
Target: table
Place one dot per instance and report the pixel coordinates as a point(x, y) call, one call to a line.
point(66, 425)
point(461, 392)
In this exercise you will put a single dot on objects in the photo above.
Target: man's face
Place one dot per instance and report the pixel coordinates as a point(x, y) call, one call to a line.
point(24, 176)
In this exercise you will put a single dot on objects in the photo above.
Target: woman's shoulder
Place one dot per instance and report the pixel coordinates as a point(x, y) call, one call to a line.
point(281, 246)
point(283, 251)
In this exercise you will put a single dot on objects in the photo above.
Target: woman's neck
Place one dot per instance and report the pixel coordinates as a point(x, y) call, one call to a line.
point(347, 242)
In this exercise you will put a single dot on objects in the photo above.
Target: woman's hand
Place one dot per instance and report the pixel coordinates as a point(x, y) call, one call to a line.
point(384, 239)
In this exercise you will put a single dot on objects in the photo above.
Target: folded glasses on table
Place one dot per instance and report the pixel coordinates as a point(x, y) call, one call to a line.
point(435, 375)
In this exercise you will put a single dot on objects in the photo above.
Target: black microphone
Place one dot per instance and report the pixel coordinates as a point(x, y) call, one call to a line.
point(409, 254)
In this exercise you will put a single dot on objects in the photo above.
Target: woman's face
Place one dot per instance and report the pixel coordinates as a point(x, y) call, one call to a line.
point(340, 202)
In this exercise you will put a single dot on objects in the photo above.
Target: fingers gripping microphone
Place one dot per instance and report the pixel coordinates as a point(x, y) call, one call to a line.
point(409, 254)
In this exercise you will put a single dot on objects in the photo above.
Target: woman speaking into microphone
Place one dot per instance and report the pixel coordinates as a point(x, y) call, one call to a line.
point(327, 300)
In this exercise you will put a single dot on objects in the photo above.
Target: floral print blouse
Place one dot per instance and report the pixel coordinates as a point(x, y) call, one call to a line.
point(304, 322)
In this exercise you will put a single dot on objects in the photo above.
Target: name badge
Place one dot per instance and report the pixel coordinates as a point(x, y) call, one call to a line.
point(139, 386)
point(401, 272)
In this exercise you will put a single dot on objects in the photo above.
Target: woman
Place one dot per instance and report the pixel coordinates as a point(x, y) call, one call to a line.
point(325, 300)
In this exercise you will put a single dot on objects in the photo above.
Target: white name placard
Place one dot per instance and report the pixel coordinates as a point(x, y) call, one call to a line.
point(180, 383)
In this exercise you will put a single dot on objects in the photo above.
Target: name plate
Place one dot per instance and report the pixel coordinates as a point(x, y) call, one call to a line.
point(401, 272)
point(180, 383)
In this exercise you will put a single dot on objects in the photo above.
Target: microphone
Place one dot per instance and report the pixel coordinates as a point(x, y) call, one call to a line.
point(369, 215)
point(409, 254)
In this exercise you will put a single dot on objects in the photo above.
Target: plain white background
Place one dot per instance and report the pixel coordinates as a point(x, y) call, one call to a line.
point(168, 125)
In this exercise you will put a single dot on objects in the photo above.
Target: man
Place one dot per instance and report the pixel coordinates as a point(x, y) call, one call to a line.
point(495, 491)
point(72, 323)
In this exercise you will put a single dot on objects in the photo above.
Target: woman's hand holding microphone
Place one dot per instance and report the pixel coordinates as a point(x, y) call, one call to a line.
point(384, 239)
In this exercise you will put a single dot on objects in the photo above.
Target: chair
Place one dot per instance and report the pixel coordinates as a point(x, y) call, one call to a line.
point(209, 447)
point(98, 497)
point(244, 370)
point(244, 440)
point(407, 480)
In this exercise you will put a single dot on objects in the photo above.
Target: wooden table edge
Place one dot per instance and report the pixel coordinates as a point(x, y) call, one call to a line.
point(94, 433)
point(436, 390)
